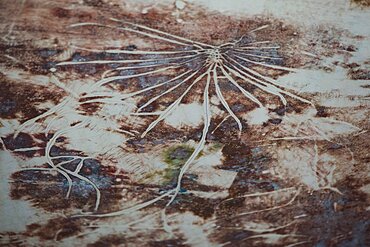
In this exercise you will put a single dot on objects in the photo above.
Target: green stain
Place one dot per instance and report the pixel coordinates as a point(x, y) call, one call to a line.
point(175, 157)
point(215, 147)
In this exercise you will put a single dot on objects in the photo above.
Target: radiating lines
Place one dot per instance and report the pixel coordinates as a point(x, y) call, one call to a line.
point(188, 64)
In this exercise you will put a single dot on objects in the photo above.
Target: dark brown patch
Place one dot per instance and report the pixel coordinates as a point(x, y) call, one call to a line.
point(322, 111)
point(298, 106)
point(323, 221)
point(22, 140)
point(202, 207)
point(275, 121)
point(56, 229)
point(161, 134)
point(283, 109)
point(249, 163)
point(30, 185)
point(90, 108)
point(364, 3)
point(359, 74)
point(61, 12)
point(236, 153)
point(94, 3)
point(334, 210)
point(19, 100)
point(325, 213)
point(109, 241)
point(168, 243)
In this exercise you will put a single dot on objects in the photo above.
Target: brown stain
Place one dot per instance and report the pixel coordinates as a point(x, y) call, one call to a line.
point(18, 100)
point(61, 12)
point(324, 219)
point(112, 240)
point(94, 3)
point(358, 144)
point(334, 210)
point(359, 74)
point(296, 106)
point(328, 217)
point(224, 131)
point(90, 109)
point(30, 185)
point(203, 28)
point(109, 240)
point(22, 140)
point(170, 242)
point(56, 229)
point(363, 3)
point(322, 111)
point(201, 207)
point(249, 163)
point(161, 134)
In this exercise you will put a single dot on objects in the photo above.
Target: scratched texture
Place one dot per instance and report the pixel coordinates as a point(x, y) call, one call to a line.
point(184, 123)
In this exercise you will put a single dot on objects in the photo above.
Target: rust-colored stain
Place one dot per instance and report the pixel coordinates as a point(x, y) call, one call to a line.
point(365, 3)
point(124, 124)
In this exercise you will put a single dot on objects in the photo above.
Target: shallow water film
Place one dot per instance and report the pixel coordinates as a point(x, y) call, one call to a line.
point(184, 123)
